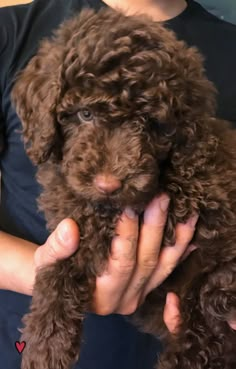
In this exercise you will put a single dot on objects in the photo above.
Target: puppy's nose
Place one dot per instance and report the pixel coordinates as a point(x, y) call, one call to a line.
point(107, 183)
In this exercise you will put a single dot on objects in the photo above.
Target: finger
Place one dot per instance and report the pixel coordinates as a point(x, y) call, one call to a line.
point(170, 255)
point(111, 285)
point(150, 240)
point(232, 319)
point(232, 324)
point(187, 252)
point(61, 244)
point(171, 314)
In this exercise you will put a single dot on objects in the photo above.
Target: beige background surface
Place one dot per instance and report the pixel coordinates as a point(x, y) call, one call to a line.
point(13, 2)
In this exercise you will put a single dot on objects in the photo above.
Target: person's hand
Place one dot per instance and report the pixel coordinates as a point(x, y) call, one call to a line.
point(61, 244)
point(136, 265)
point(172, 317)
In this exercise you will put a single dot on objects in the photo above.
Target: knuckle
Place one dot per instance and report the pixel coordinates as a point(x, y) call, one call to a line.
point(160, 223)
point(126, 267)
point(52, 251)
point(133, 241)
point(141, 284)
point(124, 248)
point(105, 310)
point(55, 249)
point(130, 308)
point(148, 263)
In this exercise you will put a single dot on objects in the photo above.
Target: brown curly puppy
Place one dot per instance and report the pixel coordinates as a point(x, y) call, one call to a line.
point(115, 110)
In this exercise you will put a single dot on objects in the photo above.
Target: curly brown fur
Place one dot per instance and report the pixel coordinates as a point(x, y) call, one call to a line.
point(151, 126)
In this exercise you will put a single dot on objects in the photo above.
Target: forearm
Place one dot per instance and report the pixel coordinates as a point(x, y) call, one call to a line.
point(16, 264)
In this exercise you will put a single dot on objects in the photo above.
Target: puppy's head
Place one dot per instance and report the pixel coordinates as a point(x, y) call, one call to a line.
point(111, 97)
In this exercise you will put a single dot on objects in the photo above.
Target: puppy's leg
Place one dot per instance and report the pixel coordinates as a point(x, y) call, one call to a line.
point(218, 303)
point(53, 328)
point(205, 340)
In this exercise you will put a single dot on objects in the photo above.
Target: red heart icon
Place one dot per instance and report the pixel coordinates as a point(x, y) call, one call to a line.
point(20, 346)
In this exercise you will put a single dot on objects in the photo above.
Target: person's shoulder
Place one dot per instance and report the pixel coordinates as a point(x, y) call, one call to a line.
point(41, 15)
point(219, 24)
point(196, 22)
point(210, 22)
point(215, 35)
point(200, 28)
point(216, 39)
point(24, 26)
point(10, 16)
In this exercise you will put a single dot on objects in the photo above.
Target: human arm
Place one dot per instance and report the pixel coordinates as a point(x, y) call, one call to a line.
point(16, 263)
point(19, 258)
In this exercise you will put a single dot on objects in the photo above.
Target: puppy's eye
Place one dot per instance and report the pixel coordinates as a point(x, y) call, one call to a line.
point(85, 115)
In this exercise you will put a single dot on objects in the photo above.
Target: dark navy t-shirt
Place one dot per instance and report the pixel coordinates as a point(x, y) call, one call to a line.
point(109, 342)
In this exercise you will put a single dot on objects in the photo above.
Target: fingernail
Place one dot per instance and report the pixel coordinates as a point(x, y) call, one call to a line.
point(154, 212)
point(63, 232)
point(192, 247)
point(164, 203)
point(193, 221)
point(130, 213)
point(232, 325)
point(169, 299)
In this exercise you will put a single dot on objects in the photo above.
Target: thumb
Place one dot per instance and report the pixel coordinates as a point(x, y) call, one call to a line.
point(171, 314)
point(232, 324)
point(61, 244)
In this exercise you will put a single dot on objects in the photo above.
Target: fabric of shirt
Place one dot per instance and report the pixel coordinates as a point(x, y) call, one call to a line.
point(108, 342)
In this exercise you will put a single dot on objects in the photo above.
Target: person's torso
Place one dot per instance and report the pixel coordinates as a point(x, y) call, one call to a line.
point(22, 28)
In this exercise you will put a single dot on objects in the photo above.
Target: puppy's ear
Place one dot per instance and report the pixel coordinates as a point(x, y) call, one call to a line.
point(35, 96)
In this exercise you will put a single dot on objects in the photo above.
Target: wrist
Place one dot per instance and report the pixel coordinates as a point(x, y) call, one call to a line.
point(17, 266)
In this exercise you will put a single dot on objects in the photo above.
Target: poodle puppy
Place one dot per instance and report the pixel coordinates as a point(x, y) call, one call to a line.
point(115, 111)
